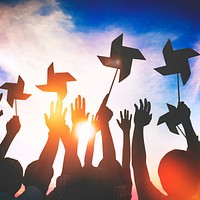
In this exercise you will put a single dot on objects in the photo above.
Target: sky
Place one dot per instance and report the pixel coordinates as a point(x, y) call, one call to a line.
point(71, 34)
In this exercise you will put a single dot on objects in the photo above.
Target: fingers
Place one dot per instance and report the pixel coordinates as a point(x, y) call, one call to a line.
point(64, 113)
point(46, 117)
point(146, 106)
point(121, 115)
point(130, 117)
point(149, 107)
point(126, 113)
point(141, 104)
point(52, 108)
point(83, 104)
point(79, 103)
point(136, 107)
point(76, 103)
point(118, 122)
point(58, 108)
point(87, 115)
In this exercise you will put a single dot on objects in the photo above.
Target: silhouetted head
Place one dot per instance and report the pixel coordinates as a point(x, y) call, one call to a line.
point(111, 171)
point(31, 168)
point(179, 174)
point(38, 176)
point(11, 175)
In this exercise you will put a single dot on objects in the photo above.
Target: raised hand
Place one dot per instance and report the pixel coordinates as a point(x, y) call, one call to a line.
point(104, 114)
point(56, 121)
point(78, 113)
point(13, 126)
point(125, 123)
point(183, 111)
point(142, 114)
point(95, 123)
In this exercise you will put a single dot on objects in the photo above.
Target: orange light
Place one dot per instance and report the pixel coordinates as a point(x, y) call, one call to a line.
point(85, 129)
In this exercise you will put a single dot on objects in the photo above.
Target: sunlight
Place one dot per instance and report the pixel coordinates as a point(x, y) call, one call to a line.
point(85, 132)
point(86, 129)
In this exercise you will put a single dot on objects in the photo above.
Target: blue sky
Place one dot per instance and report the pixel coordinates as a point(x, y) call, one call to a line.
point(138, 16)
point(71, 34)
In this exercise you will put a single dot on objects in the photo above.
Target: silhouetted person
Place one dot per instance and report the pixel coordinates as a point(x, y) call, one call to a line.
point(40, 172)
point(78, 115)
point(11, 175)
point(78, 182)
point(125, 124)
point(71, 165)
point(87, 182)
point(110, 166)
point(178, 169)
point(11, 172)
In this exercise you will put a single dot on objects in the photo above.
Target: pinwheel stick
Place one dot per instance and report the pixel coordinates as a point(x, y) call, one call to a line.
point(113, 82)
point(181, 131)
point(178, 86)
point(15, 107)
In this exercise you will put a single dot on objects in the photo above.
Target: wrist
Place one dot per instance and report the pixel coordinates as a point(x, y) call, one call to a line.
point(103, 122)
point(10, 135)
point(54, 134)
point(139, 126)
point(126, 133)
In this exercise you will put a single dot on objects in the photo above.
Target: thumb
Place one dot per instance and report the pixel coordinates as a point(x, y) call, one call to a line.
point(46, 117)
point(118, 122)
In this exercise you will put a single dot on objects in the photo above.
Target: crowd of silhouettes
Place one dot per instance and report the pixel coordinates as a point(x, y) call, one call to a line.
point(178, 169)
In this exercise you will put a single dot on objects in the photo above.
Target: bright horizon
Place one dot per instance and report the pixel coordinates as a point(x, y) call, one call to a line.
point(35, 33)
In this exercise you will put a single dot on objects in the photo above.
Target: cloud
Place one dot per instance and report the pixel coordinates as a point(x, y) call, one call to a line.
point(193, 87)
point(25, 34)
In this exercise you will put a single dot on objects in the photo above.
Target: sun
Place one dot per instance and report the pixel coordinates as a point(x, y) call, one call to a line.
point(85, 132)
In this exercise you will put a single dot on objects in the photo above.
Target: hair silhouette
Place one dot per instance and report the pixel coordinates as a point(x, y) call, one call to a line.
point(11, 175)
point(178, 169)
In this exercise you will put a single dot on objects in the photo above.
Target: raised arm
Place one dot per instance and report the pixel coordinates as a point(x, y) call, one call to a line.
point(40, 172)
point(141, 119)
point(125, 125)
point(104, 116)
point(78, 116)
point(95, 127)
point(56, 124)
point(13, 126)
point(191, 137)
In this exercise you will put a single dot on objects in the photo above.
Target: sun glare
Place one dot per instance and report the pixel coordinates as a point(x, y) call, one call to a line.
point(86, 129)
point(84, 133)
